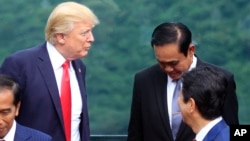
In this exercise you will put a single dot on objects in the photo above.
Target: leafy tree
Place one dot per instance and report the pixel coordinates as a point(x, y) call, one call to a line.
point(221, 30)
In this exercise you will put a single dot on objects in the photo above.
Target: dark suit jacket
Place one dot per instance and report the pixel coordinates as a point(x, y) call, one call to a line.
point(149, 120)
point(41, 108)
point(28, 134)
point(220, 132)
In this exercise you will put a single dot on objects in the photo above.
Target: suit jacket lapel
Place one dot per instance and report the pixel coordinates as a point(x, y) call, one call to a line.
point(160, 82)
point(47, 72)
point(80, 74)
point(80, 71)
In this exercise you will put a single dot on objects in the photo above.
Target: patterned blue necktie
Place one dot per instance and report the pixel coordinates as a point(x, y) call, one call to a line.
point(176, 115)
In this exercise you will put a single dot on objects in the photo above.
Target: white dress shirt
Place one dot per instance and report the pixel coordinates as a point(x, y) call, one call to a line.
point(11, 134)
point(57, 60)
point(170, 90)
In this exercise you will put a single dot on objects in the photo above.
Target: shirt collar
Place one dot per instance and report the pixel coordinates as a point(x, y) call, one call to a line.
point(55, 57)
point(193, 65)
point(203, 132)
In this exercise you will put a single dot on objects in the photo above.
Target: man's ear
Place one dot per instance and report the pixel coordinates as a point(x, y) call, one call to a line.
point(60, 37)
point(192, 105)
point(191, 49)
point(17, 108)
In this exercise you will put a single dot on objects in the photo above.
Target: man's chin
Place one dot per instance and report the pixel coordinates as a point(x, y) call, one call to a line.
point(84, 54)
point(175, 76)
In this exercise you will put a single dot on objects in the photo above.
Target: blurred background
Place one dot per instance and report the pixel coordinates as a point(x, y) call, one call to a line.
point(221, 30)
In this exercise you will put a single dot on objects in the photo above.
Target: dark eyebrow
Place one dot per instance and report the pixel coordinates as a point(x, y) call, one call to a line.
point(170, 63)
point(4, 110)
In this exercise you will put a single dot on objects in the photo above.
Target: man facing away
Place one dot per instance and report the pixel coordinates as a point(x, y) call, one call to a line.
point(201, 102)
point(151, 117)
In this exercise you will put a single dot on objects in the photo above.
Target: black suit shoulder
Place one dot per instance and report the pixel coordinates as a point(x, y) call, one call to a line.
point(225, 71)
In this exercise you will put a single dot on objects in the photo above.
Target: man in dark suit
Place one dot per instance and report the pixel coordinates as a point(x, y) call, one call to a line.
point(10, 130)
point(39, 72)
point(201, 101)
point(151, 109)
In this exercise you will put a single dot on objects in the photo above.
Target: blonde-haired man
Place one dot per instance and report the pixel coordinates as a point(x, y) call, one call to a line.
point(40, 73)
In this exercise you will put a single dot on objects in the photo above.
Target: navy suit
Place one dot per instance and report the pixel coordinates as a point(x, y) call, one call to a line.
point(220, 132)
point(40, 104)
point(149, 120)
point(28, 134)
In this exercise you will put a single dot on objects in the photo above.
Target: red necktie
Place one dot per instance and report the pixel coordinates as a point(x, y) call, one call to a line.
point(66, 100)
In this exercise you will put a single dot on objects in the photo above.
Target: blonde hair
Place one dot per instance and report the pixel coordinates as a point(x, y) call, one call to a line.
point(64, 16)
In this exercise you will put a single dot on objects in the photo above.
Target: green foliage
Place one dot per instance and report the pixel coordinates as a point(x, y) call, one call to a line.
point(122, 46)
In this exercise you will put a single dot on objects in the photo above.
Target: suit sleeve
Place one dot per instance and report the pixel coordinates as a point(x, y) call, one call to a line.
point(135, 125)
point(230, 109)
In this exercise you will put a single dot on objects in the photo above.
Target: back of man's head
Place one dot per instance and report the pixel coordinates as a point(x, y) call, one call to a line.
point(207, 86)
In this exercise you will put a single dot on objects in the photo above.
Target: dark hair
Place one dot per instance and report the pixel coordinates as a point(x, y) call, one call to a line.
point(6, 82)
point(207, 87)
point(168, 32)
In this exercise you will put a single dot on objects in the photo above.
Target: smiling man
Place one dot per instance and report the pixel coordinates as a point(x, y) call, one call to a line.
point(152, 109)
point(10, 130)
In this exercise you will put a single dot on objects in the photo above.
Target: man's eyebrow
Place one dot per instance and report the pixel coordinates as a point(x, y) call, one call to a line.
point(3, 110)
point(172, 61)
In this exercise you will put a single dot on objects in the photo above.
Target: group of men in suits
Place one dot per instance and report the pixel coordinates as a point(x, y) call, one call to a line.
point(151, 109)
point(38, 72)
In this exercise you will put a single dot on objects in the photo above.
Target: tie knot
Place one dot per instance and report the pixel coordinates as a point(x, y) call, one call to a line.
point(178, 83)
point(65, 65)
point(176, 80)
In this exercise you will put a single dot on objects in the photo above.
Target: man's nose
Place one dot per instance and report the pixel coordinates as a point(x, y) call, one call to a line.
point(168, 68)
